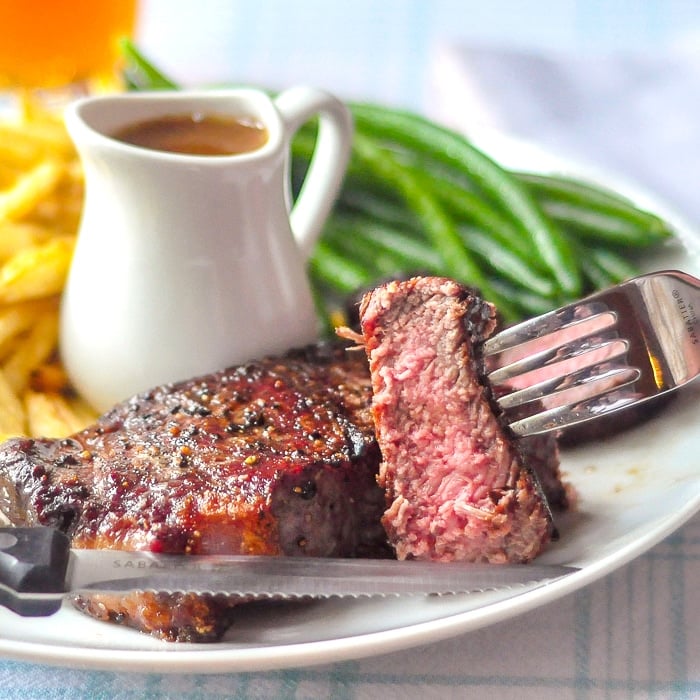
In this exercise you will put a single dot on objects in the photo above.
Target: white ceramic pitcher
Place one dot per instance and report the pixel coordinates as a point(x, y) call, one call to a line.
point(187, 264)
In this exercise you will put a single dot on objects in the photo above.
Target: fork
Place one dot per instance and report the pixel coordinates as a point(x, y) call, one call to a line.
point(612, 350)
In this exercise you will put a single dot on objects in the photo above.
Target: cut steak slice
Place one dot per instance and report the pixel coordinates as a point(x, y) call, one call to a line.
point(274, 457)
point(457, 485)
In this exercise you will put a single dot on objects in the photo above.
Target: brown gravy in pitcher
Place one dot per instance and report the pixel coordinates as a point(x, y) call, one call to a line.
point(196, 134)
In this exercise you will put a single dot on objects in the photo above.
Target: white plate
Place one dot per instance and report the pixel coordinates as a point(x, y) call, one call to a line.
point(634, 490)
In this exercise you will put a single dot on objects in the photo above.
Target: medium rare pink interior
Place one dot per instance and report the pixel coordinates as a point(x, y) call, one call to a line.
point(455, 485)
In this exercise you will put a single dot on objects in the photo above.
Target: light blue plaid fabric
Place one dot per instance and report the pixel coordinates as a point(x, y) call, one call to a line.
point(634, 634)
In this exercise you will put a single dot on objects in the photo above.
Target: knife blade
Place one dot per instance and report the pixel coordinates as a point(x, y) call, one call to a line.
point(38, 569)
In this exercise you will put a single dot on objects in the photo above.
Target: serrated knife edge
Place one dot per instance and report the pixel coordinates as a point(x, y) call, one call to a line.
point(268, 576)
point(38, 568)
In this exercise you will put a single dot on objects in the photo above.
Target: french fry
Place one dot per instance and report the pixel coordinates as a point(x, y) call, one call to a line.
point(57, 213)
point(47, 135)
point(83, 412)
point(41, 195)
point(40, 134)
point(36, 272)
point(16, 151)
point(32, 350)
point(50, 414)
point(16, 319)
point(8, 174)
point(29, 189)
point(16, 236)
point(12, 416)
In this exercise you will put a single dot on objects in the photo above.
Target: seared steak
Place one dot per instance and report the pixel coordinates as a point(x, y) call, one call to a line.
point(458, 486)
point(281, 457)
point(274, 457)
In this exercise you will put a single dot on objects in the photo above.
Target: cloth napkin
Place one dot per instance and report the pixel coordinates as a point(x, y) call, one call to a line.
point(635, 114)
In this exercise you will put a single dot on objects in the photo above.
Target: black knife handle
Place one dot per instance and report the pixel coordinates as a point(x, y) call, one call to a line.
point(33, 561)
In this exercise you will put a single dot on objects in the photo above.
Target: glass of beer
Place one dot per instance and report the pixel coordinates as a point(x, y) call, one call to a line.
point(62, 44)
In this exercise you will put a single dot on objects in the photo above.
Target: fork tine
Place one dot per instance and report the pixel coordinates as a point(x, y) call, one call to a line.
point(572, 414)
point(617, 348)
point(588, 378)
point(567, 317)
point(594, 345)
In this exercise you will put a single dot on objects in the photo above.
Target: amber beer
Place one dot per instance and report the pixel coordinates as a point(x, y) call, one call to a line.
point(54, 43)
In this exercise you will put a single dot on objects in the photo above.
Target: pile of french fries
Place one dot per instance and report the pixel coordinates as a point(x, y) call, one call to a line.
point(41, 194)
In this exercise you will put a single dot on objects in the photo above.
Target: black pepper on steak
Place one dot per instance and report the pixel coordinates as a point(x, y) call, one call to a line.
point(274, 457)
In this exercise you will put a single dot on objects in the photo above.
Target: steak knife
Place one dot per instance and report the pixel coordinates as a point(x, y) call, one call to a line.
point(38, 569)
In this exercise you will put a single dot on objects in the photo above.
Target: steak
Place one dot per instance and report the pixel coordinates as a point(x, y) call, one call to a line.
point(274, 457)
point(281, 456)
point(458, 486)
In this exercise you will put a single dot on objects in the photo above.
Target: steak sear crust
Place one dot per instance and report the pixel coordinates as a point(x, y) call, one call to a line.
point(457, 485)
point(281, 457)
point(274, 457)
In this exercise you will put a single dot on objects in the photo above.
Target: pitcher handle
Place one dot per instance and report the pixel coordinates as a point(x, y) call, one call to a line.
point(328, 163)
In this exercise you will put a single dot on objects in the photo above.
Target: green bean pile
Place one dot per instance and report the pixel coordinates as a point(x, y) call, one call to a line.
point(420, 198)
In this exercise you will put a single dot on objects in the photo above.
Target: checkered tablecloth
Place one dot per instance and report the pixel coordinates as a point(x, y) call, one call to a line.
point(617, 82)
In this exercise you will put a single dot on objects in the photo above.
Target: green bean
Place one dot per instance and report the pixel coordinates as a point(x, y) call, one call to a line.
point(493, 246)
point(336, 271)
point(526, 303)
point(595, 212)
point(392, 213)
point(349, 239)
point(496, 255)
point(500, 245)
point(468, 206)
point(142, 74)
point(438, 225)
point(439, 228)
point(465, 205)
point(599, 279)
point(575, 198)
point(565, 187)
point(604, 267)
point(506, 264)
point(596, 225)
point(423, 136)
point(408, 253)
point(387, 210)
